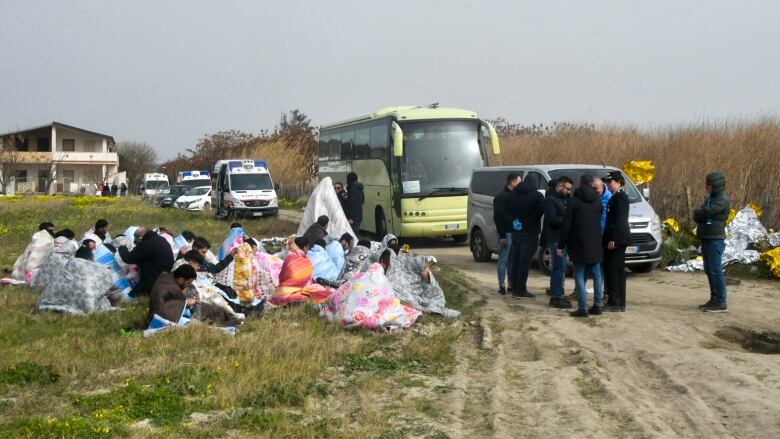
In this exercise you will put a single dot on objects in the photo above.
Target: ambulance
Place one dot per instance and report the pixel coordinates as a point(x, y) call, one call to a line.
point(155, 184)
point(244, 188)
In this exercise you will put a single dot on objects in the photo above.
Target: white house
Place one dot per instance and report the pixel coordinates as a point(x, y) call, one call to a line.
point(57, 158)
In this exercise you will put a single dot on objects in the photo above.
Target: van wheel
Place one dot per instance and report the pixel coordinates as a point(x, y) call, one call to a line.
point(479, 249)
point(545, 260)
point(642, 268)
point(381, 225)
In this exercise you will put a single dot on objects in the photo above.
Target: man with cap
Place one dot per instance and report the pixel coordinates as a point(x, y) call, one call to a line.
point(616, 237)
point(711, 229)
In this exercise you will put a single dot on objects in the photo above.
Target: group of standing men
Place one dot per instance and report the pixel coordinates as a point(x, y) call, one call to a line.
point(351, 199)
point(588, 225)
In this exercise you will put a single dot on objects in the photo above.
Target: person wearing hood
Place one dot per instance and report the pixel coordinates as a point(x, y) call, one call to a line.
point(711, 220)
point(318, 230)
point(581, 237)
point(86, 251)
point(555, 205)
point(153, 256)
point(617, 236)
point(503, 221)
point(355, 200)
point(526, 207)
point(391, 242)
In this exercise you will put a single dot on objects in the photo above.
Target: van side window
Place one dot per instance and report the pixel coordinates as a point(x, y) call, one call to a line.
point(488, 183)
point(536, 179)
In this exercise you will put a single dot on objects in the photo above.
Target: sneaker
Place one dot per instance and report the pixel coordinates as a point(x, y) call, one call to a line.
point(612, 308)
point(709, 303)
point(523, 294)
point(561, 303)
point(579, 313)
point(501, 290)
point(716, 308)
point(595, 310)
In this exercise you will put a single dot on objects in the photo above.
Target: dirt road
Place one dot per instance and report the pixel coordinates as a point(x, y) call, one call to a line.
point(662, 369)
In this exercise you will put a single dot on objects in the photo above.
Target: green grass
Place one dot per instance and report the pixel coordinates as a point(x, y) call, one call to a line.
point(95, 376)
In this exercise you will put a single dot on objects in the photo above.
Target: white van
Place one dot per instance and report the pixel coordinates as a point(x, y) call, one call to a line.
point(193, 179)
point(642, 255)
point(155, 184)
point(244, 188)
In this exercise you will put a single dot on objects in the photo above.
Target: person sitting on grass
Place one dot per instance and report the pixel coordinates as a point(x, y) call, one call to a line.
point(172, 297)
point(295, 279)
point(202, 246)
point(86, 251)
point(153, 256)
point(318, 230)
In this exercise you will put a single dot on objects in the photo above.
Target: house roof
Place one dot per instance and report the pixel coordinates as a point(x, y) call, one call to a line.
point(60, 125)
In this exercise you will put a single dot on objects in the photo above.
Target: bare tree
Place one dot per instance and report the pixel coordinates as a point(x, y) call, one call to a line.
point(8, 161)
point(136, 158)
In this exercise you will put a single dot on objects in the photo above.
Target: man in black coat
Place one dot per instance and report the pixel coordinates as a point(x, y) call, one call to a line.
point(152, 254)
point(503, 221)
point(617, 236)
point(355, 200)
point(581, 237)
point(555, 204)
point(526, 207)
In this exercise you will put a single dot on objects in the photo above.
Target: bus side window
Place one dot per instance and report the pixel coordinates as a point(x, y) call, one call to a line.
point(379, 142)
point(324, 147)
point(362, 139)
point(335, 146)
point(346, 144)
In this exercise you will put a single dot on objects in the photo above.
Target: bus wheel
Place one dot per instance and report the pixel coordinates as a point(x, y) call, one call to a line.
point(381, 225)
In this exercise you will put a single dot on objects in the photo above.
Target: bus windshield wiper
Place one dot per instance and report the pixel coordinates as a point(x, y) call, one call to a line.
point(437, 190)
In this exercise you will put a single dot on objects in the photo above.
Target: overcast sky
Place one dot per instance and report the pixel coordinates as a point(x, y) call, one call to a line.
point(168, 72)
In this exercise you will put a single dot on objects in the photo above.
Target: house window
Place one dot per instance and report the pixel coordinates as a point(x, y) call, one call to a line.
point(22, 144)
point(68, 176)
point(44, 144)
point(68, 145)
point(20, 176)
point(43, 181)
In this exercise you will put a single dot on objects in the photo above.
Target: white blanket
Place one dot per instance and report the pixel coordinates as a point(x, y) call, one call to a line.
point(33, 257)
point(324, 201)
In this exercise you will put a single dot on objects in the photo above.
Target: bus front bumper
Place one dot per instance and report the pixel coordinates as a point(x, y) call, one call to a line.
point(433, 229)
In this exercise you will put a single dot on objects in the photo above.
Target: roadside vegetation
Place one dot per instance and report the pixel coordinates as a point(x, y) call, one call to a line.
point(286, 374)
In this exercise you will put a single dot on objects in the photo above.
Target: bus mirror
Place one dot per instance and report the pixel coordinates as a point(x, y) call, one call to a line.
point(493, 139)
point(398, 141)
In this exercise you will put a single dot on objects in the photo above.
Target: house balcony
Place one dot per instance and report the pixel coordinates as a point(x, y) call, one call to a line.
point(67, 157)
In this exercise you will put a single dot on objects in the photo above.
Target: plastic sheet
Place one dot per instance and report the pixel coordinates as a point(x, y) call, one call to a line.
point(639, 171)
point(324, 201)
point(672, 225)
point(774, 239)
point(772, 259)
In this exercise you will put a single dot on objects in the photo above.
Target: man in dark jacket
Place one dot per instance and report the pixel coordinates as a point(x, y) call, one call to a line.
point(202, 246)
point(555, 205)
point(581, 236)
point(526, 207)
point(617, 236)
point(342, 195)
point(355, 200)
point(503, 220)
point(173, 298)
point(318, 230)
point(711, 229)
point(152, 254)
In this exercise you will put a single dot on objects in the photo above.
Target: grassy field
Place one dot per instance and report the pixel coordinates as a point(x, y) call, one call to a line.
point(286, 374)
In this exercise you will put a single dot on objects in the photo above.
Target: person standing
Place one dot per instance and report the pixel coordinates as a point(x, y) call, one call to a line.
point(342, 196)
point(616, 237)
point(581, 236)
point(114, 190)
point(526, 206)
point(555, 205)
point(503, 220)
point(711, 229)
point(604, 196)
point(122, 190)
point(355, 201)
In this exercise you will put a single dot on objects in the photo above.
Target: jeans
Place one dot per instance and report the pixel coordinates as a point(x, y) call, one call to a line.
point(524, 247)
point(504, 262)
point(712, 253)
point(558, 276)
point(580, 272)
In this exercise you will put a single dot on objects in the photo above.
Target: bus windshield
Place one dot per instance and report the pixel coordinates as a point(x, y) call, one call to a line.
point(250, 182)
point(156, 184)
point(439, 156)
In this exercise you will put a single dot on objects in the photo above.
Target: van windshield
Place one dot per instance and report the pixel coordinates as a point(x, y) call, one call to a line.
point(250, 182)
point(156, 184)
point(633, 193)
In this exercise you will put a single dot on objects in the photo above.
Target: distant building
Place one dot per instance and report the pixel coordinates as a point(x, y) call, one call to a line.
point(57, 158)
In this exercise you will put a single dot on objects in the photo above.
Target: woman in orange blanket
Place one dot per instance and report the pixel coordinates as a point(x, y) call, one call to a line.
point(295, 283)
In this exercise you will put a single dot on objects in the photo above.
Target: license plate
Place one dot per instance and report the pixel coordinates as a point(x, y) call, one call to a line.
point(257, 214)
point(632, 250)
point(451, 226)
